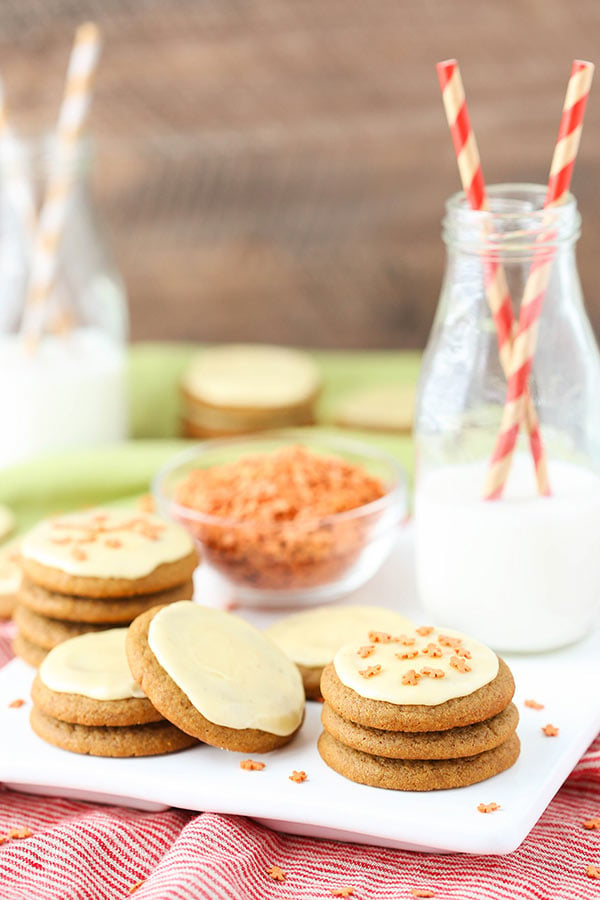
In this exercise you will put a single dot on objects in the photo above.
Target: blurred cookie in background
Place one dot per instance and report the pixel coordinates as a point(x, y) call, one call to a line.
point(10, 578)
point(384, 407)
point(243, 388)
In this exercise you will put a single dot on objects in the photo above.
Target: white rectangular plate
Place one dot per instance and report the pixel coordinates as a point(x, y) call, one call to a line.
point(327, 805)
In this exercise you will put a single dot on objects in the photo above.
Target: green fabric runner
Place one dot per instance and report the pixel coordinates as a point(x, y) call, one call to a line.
point(85, 477)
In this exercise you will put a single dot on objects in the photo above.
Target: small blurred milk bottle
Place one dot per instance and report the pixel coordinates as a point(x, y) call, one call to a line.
point(62, 354)
point(521, 573)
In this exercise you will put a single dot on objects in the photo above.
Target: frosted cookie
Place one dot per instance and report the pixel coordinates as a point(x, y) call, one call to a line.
point(216, 677)
point(48, 633)
point(381, 408)
point(238, 388)
point(453, 743)
point(86, 701)
point(416, 774)
point(106, 553)
point(113, 611)
point(420, 710)
point(10, 578)
point(312, 638)
point(395, 685)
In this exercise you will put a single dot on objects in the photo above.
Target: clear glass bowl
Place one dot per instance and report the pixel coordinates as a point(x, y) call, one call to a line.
point(284, 563)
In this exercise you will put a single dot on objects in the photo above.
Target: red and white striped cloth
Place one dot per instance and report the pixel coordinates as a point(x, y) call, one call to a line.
point(82, 851)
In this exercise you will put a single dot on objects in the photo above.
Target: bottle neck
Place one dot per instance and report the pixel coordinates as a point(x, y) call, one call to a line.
point(515, 227)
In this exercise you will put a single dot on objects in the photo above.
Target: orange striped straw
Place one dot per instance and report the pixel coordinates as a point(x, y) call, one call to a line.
point(498, 295)
point(52, 219)
point(524, 344)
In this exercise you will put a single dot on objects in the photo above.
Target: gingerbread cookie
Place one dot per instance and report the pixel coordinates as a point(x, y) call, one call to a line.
point(453, 743)
point(10, 578)
point(416, 774)
point(216, 677)
point(108, 553)
point(85, 700)
point(48, 633)
point(115, 611)
point(312, 638)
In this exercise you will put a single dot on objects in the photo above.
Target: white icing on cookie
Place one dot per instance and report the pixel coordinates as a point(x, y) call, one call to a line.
point(93, 665)
point(232, 674)
point(107, 543)
point(376, 670)
point(252, 376)
point(313, 637)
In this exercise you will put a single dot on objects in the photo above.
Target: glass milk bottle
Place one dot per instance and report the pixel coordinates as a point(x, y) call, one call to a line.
point(66, 387)
point(521, 573)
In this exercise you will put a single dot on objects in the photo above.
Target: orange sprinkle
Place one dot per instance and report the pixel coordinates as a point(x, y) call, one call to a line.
point(447, 641)
point(365, 651)
point(298, 777)
point(550, 730)
point(433, 650)
point(407, 654)
point(252, 765)
point(422, 892)
point(276, 873)
point(488, 807)
point(592, 872)
point(370, 671)
point(459, 664)
point(433, 673)
point(78, 554)
point(16, 704)
point(462, 651)
point(135, 887)
point(113, 543)
point(16, 834)
point(342, 892)
point(533, 704)
point(424, 630)
point(411, 677)
point(592, 824)
point(381, 637)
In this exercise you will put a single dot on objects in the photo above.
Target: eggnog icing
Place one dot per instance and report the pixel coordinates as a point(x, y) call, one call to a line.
point(93, 665)
point(229, 671)
point(312, 638)
point(386, 684)
point(107, 543)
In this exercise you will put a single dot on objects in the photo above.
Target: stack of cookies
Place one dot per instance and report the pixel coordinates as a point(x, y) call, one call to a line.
point(85, 701)
point(239, 389)
point(418, 711)
point(95, 570)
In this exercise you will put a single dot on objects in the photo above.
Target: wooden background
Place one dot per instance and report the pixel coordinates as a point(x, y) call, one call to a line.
point(276, 169)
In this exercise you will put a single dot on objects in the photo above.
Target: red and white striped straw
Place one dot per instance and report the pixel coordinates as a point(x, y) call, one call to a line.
point(498, 295)
point(52, 219)
point(524, 344)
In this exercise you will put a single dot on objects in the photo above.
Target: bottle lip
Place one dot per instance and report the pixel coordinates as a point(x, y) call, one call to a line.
point(516, 221)
point(41, 154)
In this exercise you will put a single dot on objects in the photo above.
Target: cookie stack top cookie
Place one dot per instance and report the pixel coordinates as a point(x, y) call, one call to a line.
point(108, 553)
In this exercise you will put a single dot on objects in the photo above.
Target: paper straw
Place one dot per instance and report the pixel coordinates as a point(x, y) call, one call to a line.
point(496, 287)
point(72, 117)
point(18, 187)
point(561, 171)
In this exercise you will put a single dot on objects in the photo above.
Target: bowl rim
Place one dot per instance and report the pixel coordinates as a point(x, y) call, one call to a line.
point(397, 491)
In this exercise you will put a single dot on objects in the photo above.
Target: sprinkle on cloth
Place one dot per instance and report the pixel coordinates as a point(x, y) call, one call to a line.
point(281, 501)
point(82, 849)
point(422, 892)
point(592, 872)
point(276, 873)
point(343, 891)
point(592, 824)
